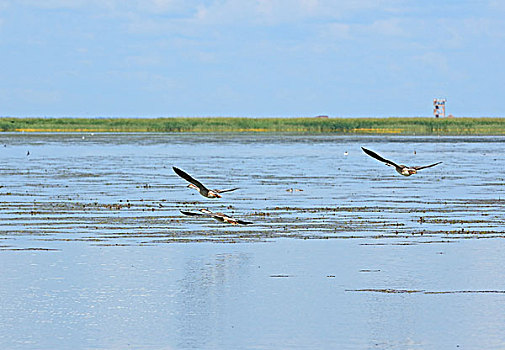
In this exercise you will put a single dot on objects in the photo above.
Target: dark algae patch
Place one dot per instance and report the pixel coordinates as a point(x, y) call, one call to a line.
point(421, 291)
point(387, 290)
point(29, 249)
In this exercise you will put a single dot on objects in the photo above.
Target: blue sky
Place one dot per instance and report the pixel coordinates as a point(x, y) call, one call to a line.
point(256, 58)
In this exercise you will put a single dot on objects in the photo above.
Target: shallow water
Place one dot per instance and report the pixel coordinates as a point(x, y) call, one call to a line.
point(96, 254)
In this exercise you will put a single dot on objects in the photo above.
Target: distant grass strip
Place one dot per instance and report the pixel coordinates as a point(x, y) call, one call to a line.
point(403, 126)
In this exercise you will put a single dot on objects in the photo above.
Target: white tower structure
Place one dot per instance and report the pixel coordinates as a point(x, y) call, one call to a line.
point(439, 107)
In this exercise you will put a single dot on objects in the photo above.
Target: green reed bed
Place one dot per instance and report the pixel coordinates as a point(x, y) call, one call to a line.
point(406, 126)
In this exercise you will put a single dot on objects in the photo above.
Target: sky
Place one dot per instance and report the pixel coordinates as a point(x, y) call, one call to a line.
point(251, 58)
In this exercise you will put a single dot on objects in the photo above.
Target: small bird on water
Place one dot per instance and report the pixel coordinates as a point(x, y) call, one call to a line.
point(400, 169)
point(197, 185)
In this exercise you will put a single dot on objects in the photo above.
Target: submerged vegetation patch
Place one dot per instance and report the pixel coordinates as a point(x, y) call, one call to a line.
point(406, 126)
point(151, 222)
point(410, 291)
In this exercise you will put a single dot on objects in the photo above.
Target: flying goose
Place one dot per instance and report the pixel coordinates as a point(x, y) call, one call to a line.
point(400, 169)
point(197, 185)
point(217, 216)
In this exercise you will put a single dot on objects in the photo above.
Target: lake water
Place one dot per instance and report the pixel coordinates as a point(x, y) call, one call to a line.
point(95, 253)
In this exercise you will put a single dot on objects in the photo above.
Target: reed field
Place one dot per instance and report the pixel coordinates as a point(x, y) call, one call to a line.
point(404, 126)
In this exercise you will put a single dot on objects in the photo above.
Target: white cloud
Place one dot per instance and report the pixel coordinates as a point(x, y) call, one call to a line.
point(32, 96)
point(434, 60)
point(337, 31)
point(484, 27)
point(146, 80)
point(157, 16)
point(161, 6)
point(457, 33)
point(117, 7)
point(390, 27)
point(54, 4)
point(497, 5)
point(143, 60)
point(275, 12)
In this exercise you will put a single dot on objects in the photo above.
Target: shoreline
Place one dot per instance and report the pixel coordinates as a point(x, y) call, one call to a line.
point(357, 126)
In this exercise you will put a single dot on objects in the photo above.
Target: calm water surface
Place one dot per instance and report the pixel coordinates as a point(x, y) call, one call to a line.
point(96, 255)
